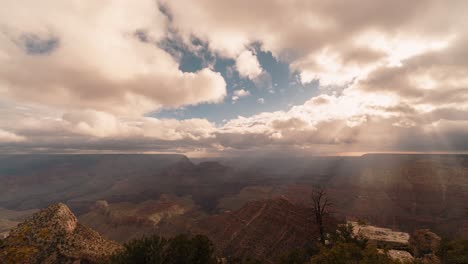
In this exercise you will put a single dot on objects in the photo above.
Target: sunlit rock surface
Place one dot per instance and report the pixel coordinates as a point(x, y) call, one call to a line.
point(382, 237)
point(53, 235)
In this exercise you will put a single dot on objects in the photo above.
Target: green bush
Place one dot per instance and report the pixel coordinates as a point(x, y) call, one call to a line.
point(346, 248)
point(350, 253)
point(300, 255)
point(294, 257)
point(182, 249)
point(344, 234)
point(237, 260)
point(142, 251)
point(453, 251)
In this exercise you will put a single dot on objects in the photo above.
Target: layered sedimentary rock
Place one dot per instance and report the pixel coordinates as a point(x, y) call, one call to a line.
point(168, 216)
point(382, 237)
point(261, 229)
point(53, 235)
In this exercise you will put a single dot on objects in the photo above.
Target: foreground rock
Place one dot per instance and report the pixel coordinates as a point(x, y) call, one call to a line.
point(11, 218)
point(396, 244)
point(53, 235)
point(424, 242)
point(400, 255)
point(382, 237)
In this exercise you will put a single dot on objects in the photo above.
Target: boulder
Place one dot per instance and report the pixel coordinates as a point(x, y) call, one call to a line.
point(423, 242)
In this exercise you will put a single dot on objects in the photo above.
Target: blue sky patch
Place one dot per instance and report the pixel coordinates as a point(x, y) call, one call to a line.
point(278, 88)
point(38, 45)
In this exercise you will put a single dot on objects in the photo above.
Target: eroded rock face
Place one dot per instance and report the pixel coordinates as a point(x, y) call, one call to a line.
point(382, 237)
point(261, 229)
point(396, 244)
point(11, 218)
point(429, 259)
point(400, 255)
point(124, 221)
point(54, 235)
point(424, 242)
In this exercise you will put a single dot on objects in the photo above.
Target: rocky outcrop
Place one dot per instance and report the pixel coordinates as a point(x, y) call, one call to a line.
point(429, 259)
point(54, 235)
point(394, 244)
point(406, 192)
point(11, 218)
point(400, 255)
point(261, 229)
point(424, 242)
point(382, 237)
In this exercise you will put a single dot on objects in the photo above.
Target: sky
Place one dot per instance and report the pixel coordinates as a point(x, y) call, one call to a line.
point(219, 77)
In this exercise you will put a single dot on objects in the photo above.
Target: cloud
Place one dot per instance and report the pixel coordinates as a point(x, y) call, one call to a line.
point(432, 79)
point(350, 122)
point(247, 65)
point(83, 55)
point(334, 42)
point(353, 121)
point(94, 131)
point(241, 93)
point(79, 76)
point(6, 137)
point(237, 94)
point(97, 124)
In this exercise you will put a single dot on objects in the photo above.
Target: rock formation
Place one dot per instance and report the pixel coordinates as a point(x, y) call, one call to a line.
point(53, 235)
point(394, 244)
point(382, 237)
point(124, 221)
point(424, 242)
point(261, 229)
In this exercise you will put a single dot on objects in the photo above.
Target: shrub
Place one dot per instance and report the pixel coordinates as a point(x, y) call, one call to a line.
point(453, 251)
point(346, 248)
point(294, 257)
point(350, 253)
point(190, 250)
point(182, 249)
point(423, 242)
point(344, 234)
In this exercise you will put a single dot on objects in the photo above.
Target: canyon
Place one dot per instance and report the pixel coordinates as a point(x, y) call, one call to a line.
point(237, 203)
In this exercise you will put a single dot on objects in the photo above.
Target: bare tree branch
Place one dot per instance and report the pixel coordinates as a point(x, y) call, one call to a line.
point(321, 205)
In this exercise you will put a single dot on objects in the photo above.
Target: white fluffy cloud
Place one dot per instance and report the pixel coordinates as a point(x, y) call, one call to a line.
point(99, 55)
point(333, 42)
point(247, 65)
point(351, 122)
point(34, 130)
point(6, 137)
point(237, 94)
point(96, 124)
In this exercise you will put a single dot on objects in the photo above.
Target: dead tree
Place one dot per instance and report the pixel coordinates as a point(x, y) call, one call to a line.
point(321, 208)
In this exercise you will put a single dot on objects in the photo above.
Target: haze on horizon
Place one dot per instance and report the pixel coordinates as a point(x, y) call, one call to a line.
point(214, 78)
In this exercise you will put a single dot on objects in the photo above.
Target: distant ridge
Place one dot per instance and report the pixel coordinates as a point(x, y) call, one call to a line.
point(23, 177)
point(406, 154)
